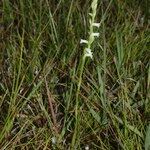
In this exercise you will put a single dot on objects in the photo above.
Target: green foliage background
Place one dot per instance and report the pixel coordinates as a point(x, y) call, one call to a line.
point(40, 45)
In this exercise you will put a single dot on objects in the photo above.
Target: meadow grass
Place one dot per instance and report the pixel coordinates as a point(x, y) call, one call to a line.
point(49, 99)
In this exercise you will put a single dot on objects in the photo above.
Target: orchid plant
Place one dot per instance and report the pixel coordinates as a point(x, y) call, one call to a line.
point(92, 34)
point(86, 53)
point(87, 50)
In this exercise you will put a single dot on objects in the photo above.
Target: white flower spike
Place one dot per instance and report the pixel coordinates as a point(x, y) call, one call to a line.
point(95, 34)
point(83, 41)
point(96, 25)
point(88, 53)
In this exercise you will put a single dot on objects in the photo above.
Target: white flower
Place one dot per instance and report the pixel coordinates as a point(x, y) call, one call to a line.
point(95, 34)
point(87, 147)
point(88, 53)
point(91, 14)
point(53, 140)
point(83, 41)
point(96, 25)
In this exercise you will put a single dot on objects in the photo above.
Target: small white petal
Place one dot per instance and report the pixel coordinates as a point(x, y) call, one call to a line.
point(95, 34)
point(88, 53)
point(36, 72)
point(53, 140)
point(96, 25)
point(87, 147)
point(83, 41)
point(88, 50)
point(21, 90)
point(91, 14)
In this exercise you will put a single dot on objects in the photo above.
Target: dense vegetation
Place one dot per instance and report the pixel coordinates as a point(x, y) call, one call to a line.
point(40, 63)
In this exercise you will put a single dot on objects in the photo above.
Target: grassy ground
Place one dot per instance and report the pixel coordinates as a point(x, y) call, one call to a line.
point(40, 55)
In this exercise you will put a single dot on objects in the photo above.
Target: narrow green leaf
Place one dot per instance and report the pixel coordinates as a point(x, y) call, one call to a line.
point(95, 115)
point(130, 127)
point(147, 138)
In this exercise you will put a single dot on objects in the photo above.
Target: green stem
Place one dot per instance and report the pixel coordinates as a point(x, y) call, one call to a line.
point(75, 135)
